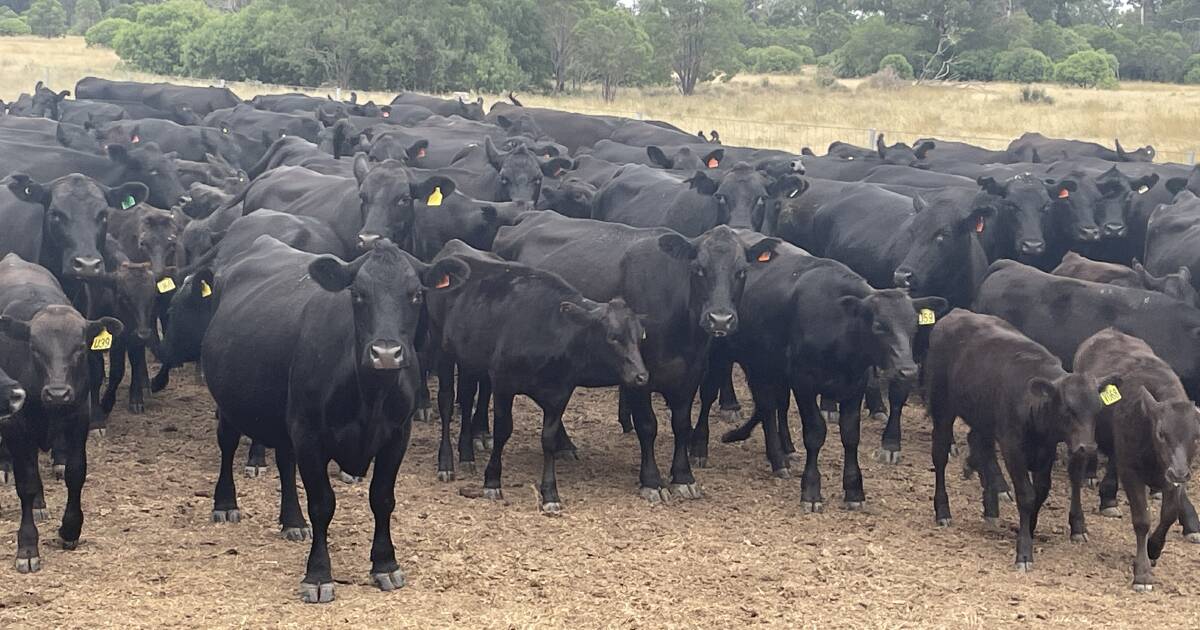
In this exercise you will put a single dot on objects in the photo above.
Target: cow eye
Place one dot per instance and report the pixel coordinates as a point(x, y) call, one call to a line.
point(504, 181)
point(418, 297)
point(613, 339)
point(154, 172)
point(699, 271)
point(760, 201)
point(879, 328)
point(939, 237)
point(721, 199)
point(741, 274)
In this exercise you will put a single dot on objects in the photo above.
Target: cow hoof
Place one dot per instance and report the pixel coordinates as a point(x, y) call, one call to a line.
point(255, 471)
point(137, 409)
point(686, 490)
point(69, 545)
point(955, 451)
point(812, 507)
point(482, 443)
point(349, 479)
point(60, 471)
point(1156, 495)
point(295, 534)
point(6, 478)
point(1110, 512)
point(493, 493)
point(1142, 588)
point(41, 515)
point(389, 581)
point(1024, 567)
point(1005, 496)
point(445, 475)
point(943, 522)
point(467, 468)
point(552, 508)
point(699, 462)
point(886, 456)
point(656, 495)
point(1092, 482)
point(1079, 538)
point(98, 432)
point(992, 521)
point(1193, 538)
point(29, 565)
point(316, 593)
point(732, 415)
point(569, 454)
point(854, 506)
point(879, 416)
point(227, 516)
point(424, 414)
point(783, 473)
point(829, 416)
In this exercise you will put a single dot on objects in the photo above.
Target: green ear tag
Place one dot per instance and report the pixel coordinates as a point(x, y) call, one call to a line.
point(128, 202)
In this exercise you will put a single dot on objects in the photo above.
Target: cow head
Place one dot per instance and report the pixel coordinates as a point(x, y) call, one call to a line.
point(471, 110)
point(134, 285)
point(614, 328)
point(521, 172)
point(902, 154)
point(158, 240)
point(190, 310)
point(1144, 154)
point(146, 163)
point(387, 146)
point(44, 103)
point(571, 197)
point(76, 137)
point(1023, 204)
point(939, 237)
point(386, 288)
point(386, 191)
point(220, 145)
point(1071, 402)
point(59, 339)
point(1177, 285)
point(1096, 209)
point(744, 193)
point(338, 138)
point(12, 397)
point(76, 209)
point(1176, 185)
point(717, 264)
point(1174, 433)
point(684, 159)
point(887, 320)
point(521, 125)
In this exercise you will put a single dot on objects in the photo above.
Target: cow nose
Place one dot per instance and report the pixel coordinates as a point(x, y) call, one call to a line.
point(367, 241)
point(1176, 477)
point(144, 334)
point(902, 279)
point(1089, 233)
point(1085, 448)
point(641, 379)
point(86, 266)
point(387, 357)
point(57, 394)
point(721, 324)
point(1033, 248)
point(797, 167)
point(16, 400)
point(1114, 230)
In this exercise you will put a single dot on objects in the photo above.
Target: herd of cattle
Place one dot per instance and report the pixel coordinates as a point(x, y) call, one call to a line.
point(321, 259)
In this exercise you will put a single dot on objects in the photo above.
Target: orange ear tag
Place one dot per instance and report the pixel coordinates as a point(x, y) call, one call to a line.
point(443, 283)
point(1064, 193)
point(713, 163)
point(764, 257)
point(135, 140)
point(979, 225)
point(387, 114)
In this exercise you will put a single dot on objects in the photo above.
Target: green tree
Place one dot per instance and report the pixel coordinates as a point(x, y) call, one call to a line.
point(47, 18)
point(776, 60)
point(87, 13)
point(154, 42)
point(870, 41)
point(612, 48)
point(696, 38)
point(1088, 68)
point(105, 31)
point(831, 30)
point(1023, 65)
point(560, 18)
point(1055, 41)
point(12, 26)
point(899, 64)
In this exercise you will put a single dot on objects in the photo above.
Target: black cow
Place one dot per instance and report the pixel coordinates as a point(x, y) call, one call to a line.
point(1107, 198)
point(44, 343)
point(145, 163)
point(1020, 399)
point(251, 122)
point(1021, 227)
point(1177, 285)
point(329, 375)
point(681, 158)
point(147, 234)
point(1022, 149)
point(471, 110)
point(162, 96)
point(945, 151)
point(1173, 237)
point(899, 153)
point(129, 293)
point(489, 173)
point(1151, 436)
point(188, 143)
point(685, 290)
point(571, 197)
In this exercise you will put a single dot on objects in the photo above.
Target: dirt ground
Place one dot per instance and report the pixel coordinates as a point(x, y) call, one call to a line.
point(743, 555)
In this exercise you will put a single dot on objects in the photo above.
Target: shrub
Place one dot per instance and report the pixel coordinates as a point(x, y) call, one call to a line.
point(886, 79)
point(47, 18)
point(123, 11)
point(1022, 65)
point(87, 14)
point(897, 63)
point(1035, 95)
point(870, 41)
point(1055, 41)
point(153, 42)
point(105, 31)
point(974, 65)
point(7, 12)
point(1192, 77)
point(14, 26)
point(774, 60)
point(1086, 69)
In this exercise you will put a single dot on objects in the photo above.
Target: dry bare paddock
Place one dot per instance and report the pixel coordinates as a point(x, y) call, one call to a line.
point(743, 555)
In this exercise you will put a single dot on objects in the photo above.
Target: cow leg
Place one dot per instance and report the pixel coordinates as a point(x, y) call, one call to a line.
point(75, 475)
point(645, 423)
point(784, 427)
point(99, 419)
point(291, 520)
point(503, 422)
point(683, 482)
point(385, 571)
point(116, 374)
point(161, 379)
point(256, 459)
point(1093, 465)
point(1077, 465)
point(730, 406)
point(564, 448)
point(225, 506)
point(850, 425)
point(465, 393)
point(552, 429)
point(1139, 514)
point(29, 488)
point(1108, 489)
point(873, 397)
point(445, 400)
point(710, 389)
point(6, 465)
point(1171, 505)
point(943, 435)
point(1187, 517)
point(828, 407)
point(813, 423)
point(317, 586)
point(624, 412)
point(138, 377)
point(767, 394)
point(479, 420)
point(889, 449)
point(1014, 460)
point(983, 457)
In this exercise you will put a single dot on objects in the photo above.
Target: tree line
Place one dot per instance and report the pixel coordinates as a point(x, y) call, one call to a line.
point(558, 45)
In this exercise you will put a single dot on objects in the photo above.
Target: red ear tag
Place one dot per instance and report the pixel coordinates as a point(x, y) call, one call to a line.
point(713, 163)
point(979, 225)
point(443, 283)
point(420, 153)
point(764, 257)
point(135, 139)
point(1064, 193)
point(387, 114)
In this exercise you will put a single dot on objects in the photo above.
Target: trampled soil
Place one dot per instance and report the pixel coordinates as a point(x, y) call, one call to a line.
point(743, 555)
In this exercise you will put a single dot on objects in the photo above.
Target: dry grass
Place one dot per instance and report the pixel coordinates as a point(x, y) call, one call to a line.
point(776, 111)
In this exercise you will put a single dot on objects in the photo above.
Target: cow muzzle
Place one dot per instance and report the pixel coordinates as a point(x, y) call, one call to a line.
point(720, 323)
point(1176, 477)
point(87, 266)
point(902, 279)
point(58, 395)
point(367, 241)
point(1088, 233)
point(386, 356)
point(1114, 230)
point(1033, 248)
point(16, 400)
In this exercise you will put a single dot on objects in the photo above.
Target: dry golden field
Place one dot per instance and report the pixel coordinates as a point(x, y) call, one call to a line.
point(785, 112)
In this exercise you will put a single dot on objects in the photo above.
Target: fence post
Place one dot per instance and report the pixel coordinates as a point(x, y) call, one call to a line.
point(337, 93)
point(639, 115)
point(871, 134)
point(1192, 157)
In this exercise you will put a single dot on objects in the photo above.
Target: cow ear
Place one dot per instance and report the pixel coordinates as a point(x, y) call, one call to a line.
point(659, 158)
point(923, 149)
point(494, 156)
point(702, 183)
point(1042, 388)
point(436, 183)
point(1111, 380)
point(14, 329)
point(938, 305)
point(126, 195)
point(1143, 184)
point(332, 274)
point(354, 98)
point(1176, 184)
point(28, 190)
point(789, 186)
point(504, 122)
point(1120, 149)
point(762, 251)
point(852, 306)
point(362, 167)
point(555, 167)
point(880, 146)
point(1185, 274)
point(95, 326)
point(445, 274)
point(117, 153)
point(714, 158)
point(202, 282)
point(973, 221)
point(417, 150)
point(991, 186)
point(676, 246)
point(919, 203)
point(807, 151)
point(580, 314)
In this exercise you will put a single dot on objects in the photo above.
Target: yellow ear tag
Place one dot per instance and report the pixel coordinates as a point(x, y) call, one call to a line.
point(205, 289)
point(103, 341)
point(166, 285)
point(435, 197)
point(1110, 395)
point(926, 317)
